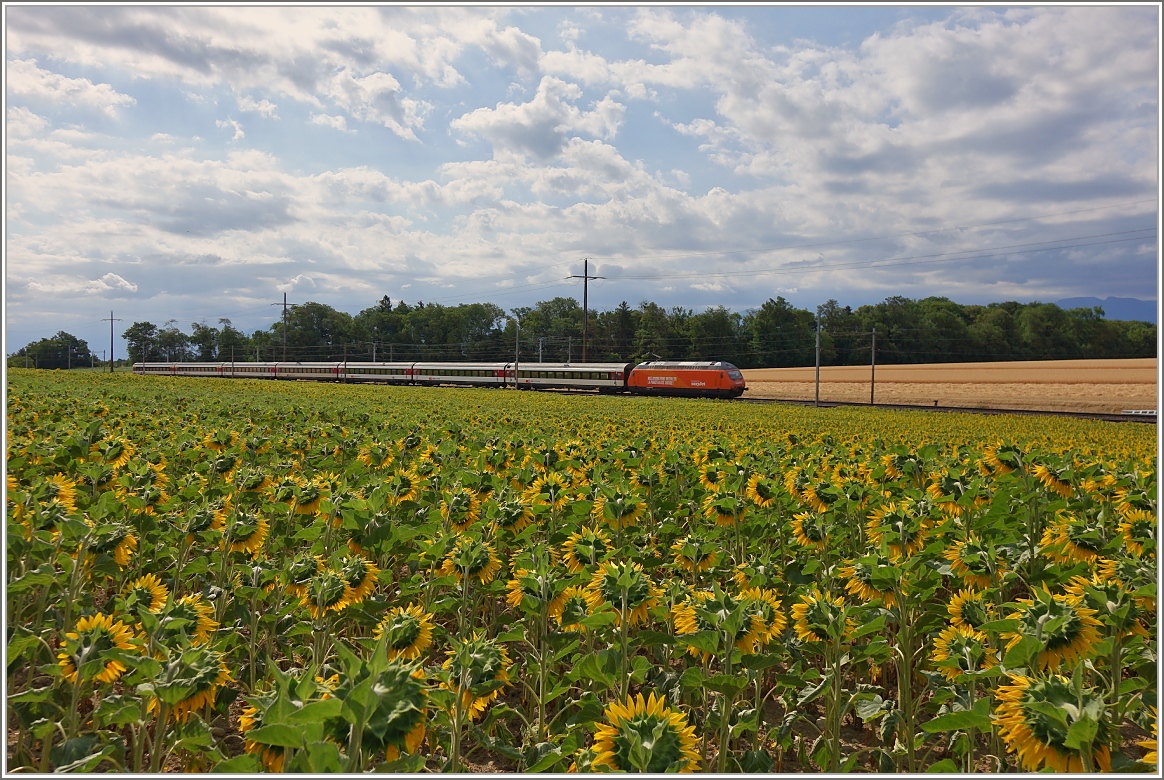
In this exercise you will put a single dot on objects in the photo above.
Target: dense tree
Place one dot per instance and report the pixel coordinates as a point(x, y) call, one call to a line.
point(776, 334)
point(63, 350)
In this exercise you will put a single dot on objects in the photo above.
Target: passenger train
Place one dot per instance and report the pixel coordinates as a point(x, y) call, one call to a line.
point(671, 378)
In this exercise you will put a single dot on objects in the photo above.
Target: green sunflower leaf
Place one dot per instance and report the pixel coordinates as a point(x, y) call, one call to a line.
point(1081, 733)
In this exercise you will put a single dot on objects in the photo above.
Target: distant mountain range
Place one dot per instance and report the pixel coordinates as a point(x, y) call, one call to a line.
point(1115, 308)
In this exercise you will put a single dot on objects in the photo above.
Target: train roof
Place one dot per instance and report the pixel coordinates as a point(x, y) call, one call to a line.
point(718, 364)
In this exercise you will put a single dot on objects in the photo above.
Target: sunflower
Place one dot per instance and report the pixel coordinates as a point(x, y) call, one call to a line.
point(475, 666)
point(972, 560)
point(146, 592)
point(543, 458)
point(359, 575)
point(461, 508)
point(1151, 757)
point(1067, 630)
point(82, 649)
point(204, 671)
point(246, 532)
point(115, 452)
point(765, 604)
point(1072, 540)
point(860, 573)
point(762, 491)
point(115, 540)
point(1112, 602)
point(815, 616)
point(300, 571)
point(408, 631)
point(308, 497)
point(969, 609)
point(618, 508)
point(899, 527)
point(534, 587)
point(550, 488)
point(192, 616)
point(327, 591)
point(810, 530)
point(271, 756)
point(947, 489)
point(1054, 479)
point(471, 557)
point(1131, 498)
point(512, 516)
point(712, 476)
point(202, 519)
point(644, 735)
point(709, 611)
point(1040, 740)
point(60, 488)
point(253, 481)
point(819, 496)
point(1002, 458)
point(962, 649)
point(398, 711)
point(640, 595)
point(694, 555)
point(575, 609)
point(219, 440)
point(724, 507)
point(1138, 529)
point(585, 548)
point(376, 456)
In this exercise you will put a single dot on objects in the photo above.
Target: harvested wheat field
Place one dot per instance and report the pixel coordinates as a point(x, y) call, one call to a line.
point(1056, 385)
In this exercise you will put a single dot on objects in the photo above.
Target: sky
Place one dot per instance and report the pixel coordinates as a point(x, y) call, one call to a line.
point(198, 163)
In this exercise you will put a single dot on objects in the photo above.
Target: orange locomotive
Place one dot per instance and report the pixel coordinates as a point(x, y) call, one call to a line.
point(690, 378)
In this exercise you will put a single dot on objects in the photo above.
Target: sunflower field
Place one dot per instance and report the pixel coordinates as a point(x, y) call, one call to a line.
point(250, 576)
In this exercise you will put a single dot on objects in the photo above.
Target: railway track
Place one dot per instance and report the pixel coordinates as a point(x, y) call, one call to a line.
point(1105, 416)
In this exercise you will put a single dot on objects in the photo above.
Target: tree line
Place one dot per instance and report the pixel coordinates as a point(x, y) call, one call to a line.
point(777, 334)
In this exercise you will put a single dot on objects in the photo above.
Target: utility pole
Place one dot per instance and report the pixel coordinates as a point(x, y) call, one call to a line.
point(111, 321)
point(285, 304)
point(817, 401)
point(516, 350)
point(585, 277)
point(540, 339)
point(373, 352)
point(872, 366)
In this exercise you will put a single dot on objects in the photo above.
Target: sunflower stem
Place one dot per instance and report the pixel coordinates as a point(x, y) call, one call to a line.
point(725, 716)
point(156, 750)
point(623, 628)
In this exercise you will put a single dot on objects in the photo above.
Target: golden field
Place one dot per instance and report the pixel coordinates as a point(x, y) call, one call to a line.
point(1055, 385)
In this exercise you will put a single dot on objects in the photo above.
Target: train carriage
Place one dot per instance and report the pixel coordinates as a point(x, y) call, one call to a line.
point(605, 377)
point(465, 374)
point(390, 373)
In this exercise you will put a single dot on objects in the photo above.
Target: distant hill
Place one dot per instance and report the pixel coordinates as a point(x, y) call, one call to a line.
point(1115, 308)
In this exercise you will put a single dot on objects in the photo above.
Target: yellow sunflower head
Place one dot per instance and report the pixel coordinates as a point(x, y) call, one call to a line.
point(1067, 630)
point(960, 649)
point(694, 554)
point(973, 561)
point(472, 558)
point(819, 618)
point(618, 508)
point(810, 530)
point(478, 669)
point(644, 735)
point(146, 592)
point(1038, 739)
point(585, 548)
point(626, 588)
point(970, 608)
point(408, 631)
point(84, 652)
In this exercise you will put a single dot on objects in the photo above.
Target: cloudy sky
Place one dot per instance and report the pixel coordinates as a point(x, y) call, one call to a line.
point(193, 163)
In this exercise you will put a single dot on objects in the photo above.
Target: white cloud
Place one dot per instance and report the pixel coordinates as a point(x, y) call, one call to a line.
point(265, 108)
point(27, 80)
point(376, 98)
point(238, 131)
point(541, 127)
point(336, 122)
point(22, 123)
